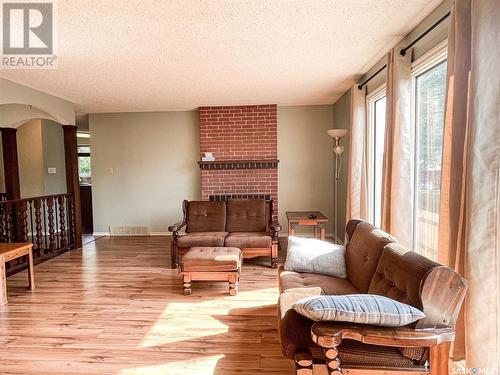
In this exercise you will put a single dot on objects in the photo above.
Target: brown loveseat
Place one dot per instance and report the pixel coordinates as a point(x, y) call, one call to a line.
point(243, 223)
point(376, 264)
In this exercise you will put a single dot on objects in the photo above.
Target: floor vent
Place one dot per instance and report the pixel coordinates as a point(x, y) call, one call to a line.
point(143, 230)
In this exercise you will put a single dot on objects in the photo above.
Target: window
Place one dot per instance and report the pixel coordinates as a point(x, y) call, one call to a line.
point(429, 82)
point(376, 102)
point(84, 165)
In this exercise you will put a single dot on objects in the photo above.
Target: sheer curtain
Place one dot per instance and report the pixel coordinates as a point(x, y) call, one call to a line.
point(397, 190)
point(469, 232)
point(356, 206)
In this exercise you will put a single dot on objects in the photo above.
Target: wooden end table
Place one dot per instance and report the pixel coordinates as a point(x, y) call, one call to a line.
point(315, 218)
point(9, 251)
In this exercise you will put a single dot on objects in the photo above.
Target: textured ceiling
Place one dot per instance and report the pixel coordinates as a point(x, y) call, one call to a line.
point(117, 55)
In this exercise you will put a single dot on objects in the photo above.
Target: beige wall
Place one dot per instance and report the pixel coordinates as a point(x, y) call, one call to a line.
point(53, 157)
point(40, 145)
point(30, 154)
point(305, 178)
point(143, 166)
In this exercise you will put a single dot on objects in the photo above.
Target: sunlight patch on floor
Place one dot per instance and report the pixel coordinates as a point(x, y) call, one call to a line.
point(204, 366)
point(181, 321)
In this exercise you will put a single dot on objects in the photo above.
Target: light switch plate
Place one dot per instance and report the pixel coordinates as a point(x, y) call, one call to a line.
point(51, 170)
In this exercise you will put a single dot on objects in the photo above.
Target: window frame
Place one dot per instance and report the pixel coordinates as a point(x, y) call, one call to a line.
point(371, 100)
point(422, 65)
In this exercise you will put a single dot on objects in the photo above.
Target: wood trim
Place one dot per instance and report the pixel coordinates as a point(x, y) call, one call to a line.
point(232, 277)
point(441, 309)
point(10, 163)
point(368, 371)
point(327, 334)
point(439, 358)
point(72, 179)
point(252, 252)
point(54, 196)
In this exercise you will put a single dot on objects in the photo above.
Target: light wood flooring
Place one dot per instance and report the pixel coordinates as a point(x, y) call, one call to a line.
point(116, 308)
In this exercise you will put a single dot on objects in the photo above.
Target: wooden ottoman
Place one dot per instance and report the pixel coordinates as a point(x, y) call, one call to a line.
point(211, 264)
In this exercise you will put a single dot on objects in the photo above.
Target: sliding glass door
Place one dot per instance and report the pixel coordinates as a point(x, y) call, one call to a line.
point(430, 87)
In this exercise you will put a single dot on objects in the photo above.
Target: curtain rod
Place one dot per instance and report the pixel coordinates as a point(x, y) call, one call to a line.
point(403, 50)
point(433, 26)
point(372, 76)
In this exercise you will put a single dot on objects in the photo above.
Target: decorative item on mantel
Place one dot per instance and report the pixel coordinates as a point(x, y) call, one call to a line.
point(207, 156)
point(338, 149)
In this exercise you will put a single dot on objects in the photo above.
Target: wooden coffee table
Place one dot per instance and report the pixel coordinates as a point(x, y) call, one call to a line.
point(9, 251)
point(315, 218)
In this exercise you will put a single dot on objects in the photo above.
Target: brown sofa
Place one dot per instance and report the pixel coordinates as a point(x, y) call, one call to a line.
point(376, 264)
point(243, 223)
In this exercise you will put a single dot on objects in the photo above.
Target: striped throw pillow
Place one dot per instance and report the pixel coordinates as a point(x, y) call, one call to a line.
point(358, 308)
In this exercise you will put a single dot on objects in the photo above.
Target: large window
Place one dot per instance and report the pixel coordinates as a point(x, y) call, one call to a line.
point(375, 139)
point(429, 102)
point(428, 98)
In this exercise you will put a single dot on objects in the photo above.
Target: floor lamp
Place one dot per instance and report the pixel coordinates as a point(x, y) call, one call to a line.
point(338, 149)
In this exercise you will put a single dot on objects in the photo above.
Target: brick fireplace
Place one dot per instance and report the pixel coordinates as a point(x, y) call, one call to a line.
point(243, 140)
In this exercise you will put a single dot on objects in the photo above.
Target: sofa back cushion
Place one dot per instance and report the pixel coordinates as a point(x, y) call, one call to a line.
point(363, 253)
point(205, 216)
point(246, 215)
point(399, 274)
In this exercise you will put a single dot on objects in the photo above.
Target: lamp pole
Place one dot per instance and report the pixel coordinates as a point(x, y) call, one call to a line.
point(338, 149)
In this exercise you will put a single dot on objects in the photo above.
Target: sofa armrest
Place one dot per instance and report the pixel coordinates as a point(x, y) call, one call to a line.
point(275, 226)
point(177, 226)
point(331, 334)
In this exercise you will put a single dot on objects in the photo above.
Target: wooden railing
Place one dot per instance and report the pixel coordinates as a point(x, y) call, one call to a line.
point(48, 222)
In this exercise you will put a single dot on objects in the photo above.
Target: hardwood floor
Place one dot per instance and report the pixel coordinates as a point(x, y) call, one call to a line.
point(116, 308)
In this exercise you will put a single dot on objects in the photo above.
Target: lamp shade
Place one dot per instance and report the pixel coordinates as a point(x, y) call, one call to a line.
point(337, 133)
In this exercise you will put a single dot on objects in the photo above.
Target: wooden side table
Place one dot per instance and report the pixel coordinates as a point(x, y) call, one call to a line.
point(315, 218)
point(9, 251)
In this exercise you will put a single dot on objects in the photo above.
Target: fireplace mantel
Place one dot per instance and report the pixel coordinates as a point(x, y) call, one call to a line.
point(239, 164)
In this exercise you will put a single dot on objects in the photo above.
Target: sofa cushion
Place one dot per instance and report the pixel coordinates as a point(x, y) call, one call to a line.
point(202, 239)
point(363, 253)
point(315, 256)
point(399, 274)
point(355, 353)
point(358, 308)
point(244, 240)
point(206, 216)
point(211, 259)
point(246, 215)
point(291, 280)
